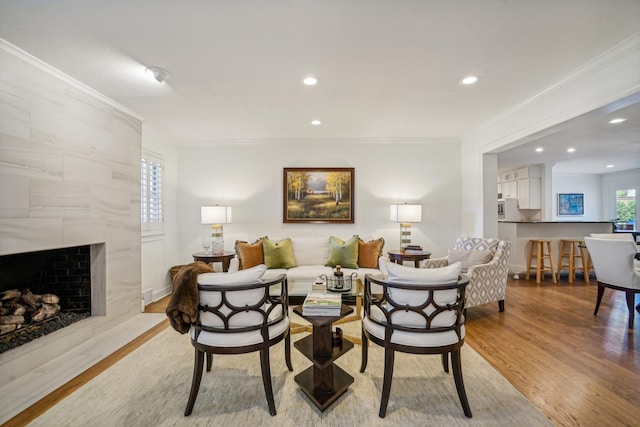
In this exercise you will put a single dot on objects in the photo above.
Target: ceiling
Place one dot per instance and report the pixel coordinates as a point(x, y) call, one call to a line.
point(387, 69)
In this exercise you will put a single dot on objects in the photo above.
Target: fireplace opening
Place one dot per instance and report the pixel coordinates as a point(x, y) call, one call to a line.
point(41, 292)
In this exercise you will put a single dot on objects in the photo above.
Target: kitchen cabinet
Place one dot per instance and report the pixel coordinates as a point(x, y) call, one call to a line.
point(521, 173)
point(508, 175)
point(529, 196)
point(509, 189)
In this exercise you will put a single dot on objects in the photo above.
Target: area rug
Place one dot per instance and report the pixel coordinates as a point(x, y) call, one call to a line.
point(150, 387)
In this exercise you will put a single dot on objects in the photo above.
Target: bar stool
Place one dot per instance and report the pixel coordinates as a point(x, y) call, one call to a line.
point(572, 250)
point(586, 256)
point(537, 249)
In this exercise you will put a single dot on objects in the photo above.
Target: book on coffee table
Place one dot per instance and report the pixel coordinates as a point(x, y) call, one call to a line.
point(322, 304)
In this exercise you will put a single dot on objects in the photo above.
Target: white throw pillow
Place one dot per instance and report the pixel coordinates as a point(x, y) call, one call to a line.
point(250, 275)
point(469, 258)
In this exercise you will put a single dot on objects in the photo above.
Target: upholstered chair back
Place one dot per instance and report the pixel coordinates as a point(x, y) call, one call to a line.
point(613, 261)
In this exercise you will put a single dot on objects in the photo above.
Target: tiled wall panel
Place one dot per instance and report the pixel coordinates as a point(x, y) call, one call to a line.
point(70, 176)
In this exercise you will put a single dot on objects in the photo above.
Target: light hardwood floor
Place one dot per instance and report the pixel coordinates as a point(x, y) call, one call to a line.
point(578, 369)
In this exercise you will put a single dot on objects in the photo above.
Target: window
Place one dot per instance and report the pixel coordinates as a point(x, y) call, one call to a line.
point(626, 209)
point(151, 210)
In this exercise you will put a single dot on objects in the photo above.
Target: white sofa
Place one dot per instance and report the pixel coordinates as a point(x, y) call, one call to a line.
point(311, 254)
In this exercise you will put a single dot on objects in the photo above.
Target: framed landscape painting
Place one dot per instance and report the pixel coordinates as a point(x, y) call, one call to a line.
point(570, 204)
point(318, 195)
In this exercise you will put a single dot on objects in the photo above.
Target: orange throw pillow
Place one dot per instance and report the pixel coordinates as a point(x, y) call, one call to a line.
point(369, 252)
point(249, 254)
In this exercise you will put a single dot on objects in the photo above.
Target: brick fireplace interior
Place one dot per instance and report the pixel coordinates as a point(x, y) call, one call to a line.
point(63, 272)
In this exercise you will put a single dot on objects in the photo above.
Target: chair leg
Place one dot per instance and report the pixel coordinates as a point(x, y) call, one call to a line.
point(365, 351)
point(389, 356)
point(266, 379)
point(209, 361)
point(195, 382)
point(456, 363)
point(630, 301)
point(501, 305)
point(599, 300)
point(287, 352)
point(445, 362)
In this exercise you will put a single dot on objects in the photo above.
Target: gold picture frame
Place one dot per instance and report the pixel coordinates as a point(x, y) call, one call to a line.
point(318, 195)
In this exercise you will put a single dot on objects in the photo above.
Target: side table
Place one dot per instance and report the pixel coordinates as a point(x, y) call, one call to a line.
point(324, 381)
point(399, 257)
point(225, 258)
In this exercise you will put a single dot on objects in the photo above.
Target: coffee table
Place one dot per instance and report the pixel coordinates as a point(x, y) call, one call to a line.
point(324, 381)
point(356, 291)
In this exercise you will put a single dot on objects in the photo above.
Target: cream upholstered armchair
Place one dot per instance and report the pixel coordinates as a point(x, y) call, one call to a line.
point(485, 262)
point(615, 263)
point(239, 313)
point(419, 311)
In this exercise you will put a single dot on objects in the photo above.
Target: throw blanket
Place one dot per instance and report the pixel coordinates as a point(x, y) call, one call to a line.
point(182, 310)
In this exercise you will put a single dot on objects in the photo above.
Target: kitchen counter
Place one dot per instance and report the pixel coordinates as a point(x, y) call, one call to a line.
point(520, 232)
point(559, 222)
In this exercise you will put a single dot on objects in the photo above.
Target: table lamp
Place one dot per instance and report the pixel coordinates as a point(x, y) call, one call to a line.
point(216, 216)
point(405, 214)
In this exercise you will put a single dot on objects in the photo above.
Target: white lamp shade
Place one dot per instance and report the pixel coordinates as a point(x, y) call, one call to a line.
point(406, 213)
point(215, 214)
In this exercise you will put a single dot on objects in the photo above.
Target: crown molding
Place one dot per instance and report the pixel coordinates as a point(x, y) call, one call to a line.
point(43, 66)
point(318, 140)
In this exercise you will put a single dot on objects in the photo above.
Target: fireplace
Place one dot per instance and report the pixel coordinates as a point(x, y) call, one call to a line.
point(42, 292)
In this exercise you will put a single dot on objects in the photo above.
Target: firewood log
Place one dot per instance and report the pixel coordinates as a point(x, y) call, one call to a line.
point(19, 310)
point(50, 309)
point(8, 328)
point(50, 299)
point(11, 319)
point(29, 299)
point(10, 294)
point(38, 315)
point(4, 311)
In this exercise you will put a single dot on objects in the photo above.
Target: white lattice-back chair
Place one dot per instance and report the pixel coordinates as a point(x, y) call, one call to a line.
point(486, 262)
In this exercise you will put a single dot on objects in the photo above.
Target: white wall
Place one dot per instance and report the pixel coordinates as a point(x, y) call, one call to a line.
point(248, 176)
point(159, 251)
point(589, 185)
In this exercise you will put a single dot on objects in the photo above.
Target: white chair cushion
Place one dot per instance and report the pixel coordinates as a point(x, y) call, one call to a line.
point(239, 339)
point(415, 339)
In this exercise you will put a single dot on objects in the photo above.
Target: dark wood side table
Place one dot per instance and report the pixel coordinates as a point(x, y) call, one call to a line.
point(399, 257)
point(225, 258)
point(323, 382)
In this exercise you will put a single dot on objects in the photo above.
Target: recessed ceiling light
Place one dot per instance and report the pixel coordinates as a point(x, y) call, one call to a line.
point(316, 122)
point(571, 150)
point(160, 74)
point(539, 150)
point(610, 166)
point(617, 120)
point(310, 81)
point(469, 80)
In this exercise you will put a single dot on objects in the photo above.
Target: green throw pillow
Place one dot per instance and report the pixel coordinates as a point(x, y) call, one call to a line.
point(278, 255)
point(344, 254)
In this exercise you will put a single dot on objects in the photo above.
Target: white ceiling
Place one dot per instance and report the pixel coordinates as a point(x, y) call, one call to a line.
point(387, 68)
